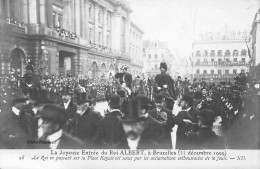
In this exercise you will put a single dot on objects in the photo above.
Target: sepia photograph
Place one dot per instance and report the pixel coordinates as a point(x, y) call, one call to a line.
point(132, 83)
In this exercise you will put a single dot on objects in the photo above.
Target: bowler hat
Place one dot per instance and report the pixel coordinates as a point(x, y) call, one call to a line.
point(158, 97)
point(207, 116)
point(132, 112)
point(18, 98)
point(114, 101)
point(52, 112)
point(121, 93)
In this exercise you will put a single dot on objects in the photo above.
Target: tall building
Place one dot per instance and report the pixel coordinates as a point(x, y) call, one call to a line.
point(156, 52)
point(60, 37)
point(135, 49)
point(255, 42)
point(220, 56)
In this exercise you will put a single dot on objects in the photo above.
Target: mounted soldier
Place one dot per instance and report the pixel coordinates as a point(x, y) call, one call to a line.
point(165, 85)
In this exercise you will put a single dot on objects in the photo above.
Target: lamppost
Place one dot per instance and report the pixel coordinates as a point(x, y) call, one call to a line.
point(115, 66)
point(44, 59)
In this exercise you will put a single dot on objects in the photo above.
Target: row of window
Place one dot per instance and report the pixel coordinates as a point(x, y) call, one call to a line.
point(156, 56)
point(135, 38)
point(100, 16)
point(91, 37)
point(220, 60)
point(134, 51)
point(212, 72)
point(219, 53)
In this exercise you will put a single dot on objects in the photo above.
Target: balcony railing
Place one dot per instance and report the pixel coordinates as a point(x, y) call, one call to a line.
point(13, 25)
point(100, 48)
point(222, 63)
point(65, 33)
point(215, 76)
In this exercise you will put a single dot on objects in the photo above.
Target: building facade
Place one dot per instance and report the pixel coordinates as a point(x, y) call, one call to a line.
point(255, 43)
point(61, 37)
point(218, 57)
point(156, 52)
point(135, 49)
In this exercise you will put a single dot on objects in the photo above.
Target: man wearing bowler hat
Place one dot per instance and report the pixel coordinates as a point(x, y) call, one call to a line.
point(108, 133)
point(132, 124)
point(70, 109)
point(54, 137)
point(87, 121)
point(165, 116)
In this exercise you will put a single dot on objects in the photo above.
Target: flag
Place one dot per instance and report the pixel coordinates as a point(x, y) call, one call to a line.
point(248, 50)
point(191, 62)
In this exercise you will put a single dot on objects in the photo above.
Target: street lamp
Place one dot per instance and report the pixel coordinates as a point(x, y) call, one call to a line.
point(44, 59)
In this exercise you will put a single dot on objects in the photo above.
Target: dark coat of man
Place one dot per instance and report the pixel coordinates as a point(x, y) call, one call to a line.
point(165, 79)
point(108, 132)
point(13, 134)
point(169, 92)
point(154, 131)
point(87, 126)
point(70, 117)
point(182, 142)
point(205, 138)
point(166, 118)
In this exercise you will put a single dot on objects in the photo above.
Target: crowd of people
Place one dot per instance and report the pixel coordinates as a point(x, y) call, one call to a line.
point(160, 113)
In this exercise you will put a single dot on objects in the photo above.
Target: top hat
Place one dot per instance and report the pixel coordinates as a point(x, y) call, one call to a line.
point(163, 65)
point(121, 93)
point(158, 98)
point(114, 101)
point(52, 112)
point(132, 112)
point(143, 100)
point(66, 90)
point(84, 98)
point(188, 99)
point(19, 98)
point(39, 98)
point(207, 116)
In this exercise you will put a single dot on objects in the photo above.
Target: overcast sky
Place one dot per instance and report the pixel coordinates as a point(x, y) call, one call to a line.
point(178, 21)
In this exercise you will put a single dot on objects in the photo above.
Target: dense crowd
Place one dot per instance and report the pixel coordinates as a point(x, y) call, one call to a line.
point(158, 113)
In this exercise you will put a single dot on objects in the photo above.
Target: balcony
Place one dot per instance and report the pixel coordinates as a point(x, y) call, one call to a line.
point(215, 76)
point(100, 48)
point(12, 25)
point(222, 63)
